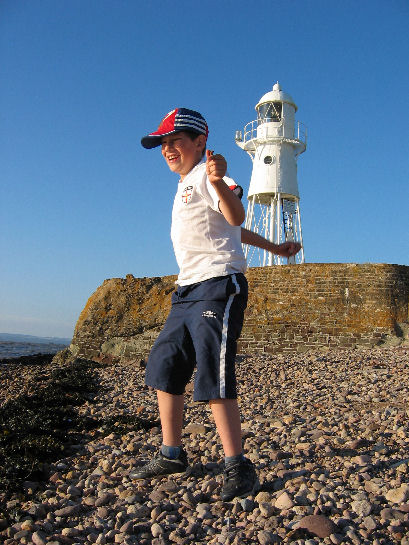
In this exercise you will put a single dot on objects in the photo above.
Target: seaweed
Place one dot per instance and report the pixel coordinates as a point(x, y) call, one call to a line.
point(34, 359)
point(124, 423)
point(40, 426)
point(34, 428)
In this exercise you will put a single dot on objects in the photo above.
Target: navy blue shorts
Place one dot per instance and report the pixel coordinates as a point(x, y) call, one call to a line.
point(201, 331)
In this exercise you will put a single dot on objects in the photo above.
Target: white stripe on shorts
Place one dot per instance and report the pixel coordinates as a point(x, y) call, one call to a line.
point(223, 346)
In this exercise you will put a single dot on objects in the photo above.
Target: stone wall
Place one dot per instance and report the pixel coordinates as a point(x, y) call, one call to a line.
point(324, 305)
point(291, 308)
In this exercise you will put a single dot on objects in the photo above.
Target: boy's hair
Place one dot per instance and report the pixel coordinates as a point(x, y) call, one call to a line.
point(193, 135)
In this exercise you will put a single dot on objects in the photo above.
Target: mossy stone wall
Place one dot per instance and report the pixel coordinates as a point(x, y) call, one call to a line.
point(291, 308)
point(324, 305)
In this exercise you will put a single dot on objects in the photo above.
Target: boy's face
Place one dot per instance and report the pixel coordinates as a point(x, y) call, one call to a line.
point(181, 153)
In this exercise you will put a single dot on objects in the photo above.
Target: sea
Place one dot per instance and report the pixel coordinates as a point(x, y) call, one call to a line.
point(16, 345)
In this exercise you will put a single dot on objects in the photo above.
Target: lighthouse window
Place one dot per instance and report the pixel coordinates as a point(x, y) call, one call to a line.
point(271, 111)
point(268, 159)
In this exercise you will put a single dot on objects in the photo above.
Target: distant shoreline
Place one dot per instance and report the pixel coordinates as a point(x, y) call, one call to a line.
point(22, 338)
point(10, 350)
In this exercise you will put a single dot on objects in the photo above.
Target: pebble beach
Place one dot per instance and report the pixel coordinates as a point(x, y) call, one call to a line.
point(328, 432)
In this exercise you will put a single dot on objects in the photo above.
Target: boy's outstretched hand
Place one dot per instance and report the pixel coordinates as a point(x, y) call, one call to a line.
point(288, 249)
point(216, 166)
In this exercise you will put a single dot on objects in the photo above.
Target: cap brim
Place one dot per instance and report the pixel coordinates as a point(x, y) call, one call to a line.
point(150, 142)
point(154, 140)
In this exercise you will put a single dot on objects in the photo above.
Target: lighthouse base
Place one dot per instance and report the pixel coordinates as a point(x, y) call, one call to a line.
point(275, 217)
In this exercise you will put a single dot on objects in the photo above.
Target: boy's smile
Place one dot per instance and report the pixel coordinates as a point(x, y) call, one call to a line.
point(181, 153)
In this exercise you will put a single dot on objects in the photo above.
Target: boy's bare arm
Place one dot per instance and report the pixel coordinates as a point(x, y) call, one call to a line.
point(229, 203)
point(286, 249)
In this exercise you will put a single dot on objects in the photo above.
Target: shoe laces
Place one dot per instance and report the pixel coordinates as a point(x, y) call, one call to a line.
point(153, 463)
point(233, 470)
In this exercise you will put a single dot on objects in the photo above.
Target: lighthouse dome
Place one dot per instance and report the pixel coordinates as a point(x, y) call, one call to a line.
point(276, 95)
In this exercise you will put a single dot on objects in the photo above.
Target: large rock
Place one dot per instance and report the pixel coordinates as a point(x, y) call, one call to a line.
point(398, 495)
point(318, 525)
point(122, 318)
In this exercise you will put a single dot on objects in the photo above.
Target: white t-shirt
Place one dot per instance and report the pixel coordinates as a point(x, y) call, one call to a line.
point(205, 244)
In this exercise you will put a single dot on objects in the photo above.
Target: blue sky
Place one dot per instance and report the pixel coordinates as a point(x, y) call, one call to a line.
point(82, 80)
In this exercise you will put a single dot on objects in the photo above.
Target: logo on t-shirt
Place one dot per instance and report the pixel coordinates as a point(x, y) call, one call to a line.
point(187, 194)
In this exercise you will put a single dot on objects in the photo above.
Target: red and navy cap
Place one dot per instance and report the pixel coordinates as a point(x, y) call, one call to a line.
point(180, 119)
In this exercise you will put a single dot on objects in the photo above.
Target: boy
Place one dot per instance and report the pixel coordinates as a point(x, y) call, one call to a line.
point(206, 317)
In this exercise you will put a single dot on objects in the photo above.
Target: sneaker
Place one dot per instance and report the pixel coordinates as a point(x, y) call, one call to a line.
point(240, 480)
point(160, 465)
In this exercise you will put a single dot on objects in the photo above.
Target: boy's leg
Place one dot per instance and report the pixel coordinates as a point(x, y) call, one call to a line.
point(240, 477)
point(171, 417)
point(214, 331)
point(226, 414)
point(172, 457)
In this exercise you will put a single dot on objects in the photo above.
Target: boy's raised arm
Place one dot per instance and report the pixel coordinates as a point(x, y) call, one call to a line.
point(229, 203)
point(286, 249)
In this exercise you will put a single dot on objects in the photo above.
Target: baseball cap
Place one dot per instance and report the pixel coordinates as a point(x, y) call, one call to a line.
point(180, 119)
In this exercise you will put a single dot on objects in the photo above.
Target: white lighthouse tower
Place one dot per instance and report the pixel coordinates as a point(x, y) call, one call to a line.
point(274, 141)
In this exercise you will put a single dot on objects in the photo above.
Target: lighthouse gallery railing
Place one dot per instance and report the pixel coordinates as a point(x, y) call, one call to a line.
point(299, 133)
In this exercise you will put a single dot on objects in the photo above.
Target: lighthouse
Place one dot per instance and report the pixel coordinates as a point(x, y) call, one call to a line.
point(274, 142)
